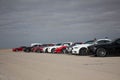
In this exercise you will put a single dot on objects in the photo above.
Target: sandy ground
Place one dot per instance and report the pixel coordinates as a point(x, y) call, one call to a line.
point(33, 66)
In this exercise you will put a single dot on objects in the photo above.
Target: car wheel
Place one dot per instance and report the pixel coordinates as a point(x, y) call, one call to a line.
point(46, 51)
point(83, 51)
point(101, 52)
point(27, 50)
point(53, 50)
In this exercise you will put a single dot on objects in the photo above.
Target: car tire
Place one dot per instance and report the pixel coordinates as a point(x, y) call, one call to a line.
point(83, 51)
point(27, 50)
point(46, 51)
point(53, 50)
point(101, 52)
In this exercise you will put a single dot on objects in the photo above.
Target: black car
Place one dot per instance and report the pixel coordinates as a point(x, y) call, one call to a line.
point(28, 49)
point(102, 50)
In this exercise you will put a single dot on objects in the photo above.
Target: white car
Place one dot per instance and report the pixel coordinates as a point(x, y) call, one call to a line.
point(83, 48)
point(45, 49)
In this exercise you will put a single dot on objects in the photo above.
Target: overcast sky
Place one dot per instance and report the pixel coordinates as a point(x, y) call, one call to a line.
point(49, 21)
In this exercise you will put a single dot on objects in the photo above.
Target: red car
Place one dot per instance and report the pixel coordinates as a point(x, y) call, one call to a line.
point(19, 49)
point(61, 49)
point(37, 49)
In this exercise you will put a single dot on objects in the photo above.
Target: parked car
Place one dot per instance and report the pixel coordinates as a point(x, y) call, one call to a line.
point(83, 48)
point(102, 50)
point(19, 48)
point(28, 49)
point(45, 49)
point(61, 49)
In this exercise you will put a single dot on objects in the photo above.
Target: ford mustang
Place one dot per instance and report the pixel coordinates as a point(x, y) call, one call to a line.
point(102, 50)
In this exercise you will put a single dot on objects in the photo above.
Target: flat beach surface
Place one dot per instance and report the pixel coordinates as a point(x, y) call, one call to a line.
point(43, 66)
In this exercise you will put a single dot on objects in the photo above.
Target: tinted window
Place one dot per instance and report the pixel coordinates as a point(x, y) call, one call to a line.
point(103, 41)
point(89, 42)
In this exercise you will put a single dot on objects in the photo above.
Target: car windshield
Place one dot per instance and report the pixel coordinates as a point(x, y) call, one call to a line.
point(89, 42)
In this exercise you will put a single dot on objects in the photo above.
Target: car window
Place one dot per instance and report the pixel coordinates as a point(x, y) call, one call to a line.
point(58, 44)
point(103, 41)
point(89, 42)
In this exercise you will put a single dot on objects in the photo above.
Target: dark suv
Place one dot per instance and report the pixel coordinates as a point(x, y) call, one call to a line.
point(102, 50)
